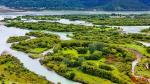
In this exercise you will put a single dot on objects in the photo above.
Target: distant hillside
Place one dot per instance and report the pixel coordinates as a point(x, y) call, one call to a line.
point(79, 4)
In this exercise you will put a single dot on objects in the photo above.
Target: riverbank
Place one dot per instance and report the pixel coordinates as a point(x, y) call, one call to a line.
point(4, 9)
point(12, 71)
point(29, 63)
point(87, 49)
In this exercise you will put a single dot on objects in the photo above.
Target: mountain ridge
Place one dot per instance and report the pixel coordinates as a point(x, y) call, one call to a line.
point(108, 5)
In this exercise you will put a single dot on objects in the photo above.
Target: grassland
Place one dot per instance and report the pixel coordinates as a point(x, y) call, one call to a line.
point(13, 72)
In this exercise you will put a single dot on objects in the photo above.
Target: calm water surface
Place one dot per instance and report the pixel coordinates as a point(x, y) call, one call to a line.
point(34, 65)
point(31, 64)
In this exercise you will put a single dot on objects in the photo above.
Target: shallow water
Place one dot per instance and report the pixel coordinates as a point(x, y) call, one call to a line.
point(34, 65)
point(132, 29)
point(126, 29)
point(145, 43)
point(63, 21)
point(31, 64)
point(134, 63)
point(66, 12)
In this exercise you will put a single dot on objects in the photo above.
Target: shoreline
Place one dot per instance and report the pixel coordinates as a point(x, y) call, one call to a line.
point(4, 9)
point(84, 12)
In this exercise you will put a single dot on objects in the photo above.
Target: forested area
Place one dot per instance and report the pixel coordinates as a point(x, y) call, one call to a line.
point(107, 5)
point(100, 19)
point(100, 53)
point(13, 72)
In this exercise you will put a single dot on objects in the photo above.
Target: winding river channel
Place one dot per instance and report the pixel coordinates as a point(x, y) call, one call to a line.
point(31, 64)
point(34, 64)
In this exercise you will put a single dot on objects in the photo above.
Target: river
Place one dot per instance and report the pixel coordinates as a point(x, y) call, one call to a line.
point(65, 12)
point(126, 29)
point(132, 29)
point(34, 64)
point(31, 64)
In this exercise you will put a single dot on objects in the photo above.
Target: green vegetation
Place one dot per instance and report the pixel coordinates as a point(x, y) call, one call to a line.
point(42, 34)
point(51, 26)
point(146, 30)
point(140, 37)
point(112, 19)
point(143, 50)
point(107, 5)
point(98, 54)
point(17, 39)
point(101, 19)
point(13, 72)
point(36, 46)
point(142, 68)
point(69, 61)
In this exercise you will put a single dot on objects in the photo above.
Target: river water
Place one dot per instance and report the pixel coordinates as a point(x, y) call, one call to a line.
point(126, 29)
point(145, 43)
point(65, 12)
point(31, 64)
point(34, 64)
point(132, 29)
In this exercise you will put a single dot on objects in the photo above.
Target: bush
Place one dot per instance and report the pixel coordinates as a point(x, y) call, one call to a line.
point(82, 50)
point(95, 56)
point(71, 75)
point(93, 70)
point(106, 67)
point(148, 49)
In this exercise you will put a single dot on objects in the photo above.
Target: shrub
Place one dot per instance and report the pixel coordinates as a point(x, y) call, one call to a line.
point(95, 56)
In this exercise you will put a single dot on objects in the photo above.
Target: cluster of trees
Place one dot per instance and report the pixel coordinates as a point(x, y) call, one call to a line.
point(102, 19)
point(42, 42)
point(107, 67)
point(12, 71)
point(42, 34)
point(101, 46)
point(146, 30)
point(111, 19)
point(139, 37)
point(97, 50)
point(105, 35)
point(96, 55)
point(36, 45)
point(17, 39)
point(74, 43)
point(51, 26)
point(108, 5)
point(65, 63)
point(148, 49)
point(42, 17)
point(143, 69)
point(122, 21)
point(90, 68)
point(70, 17)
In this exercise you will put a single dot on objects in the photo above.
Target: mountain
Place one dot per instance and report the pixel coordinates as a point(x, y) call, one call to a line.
point(78, 4)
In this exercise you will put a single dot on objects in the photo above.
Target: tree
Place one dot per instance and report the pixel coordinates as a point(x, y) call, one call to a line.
point(95, 56)
point(82, 50)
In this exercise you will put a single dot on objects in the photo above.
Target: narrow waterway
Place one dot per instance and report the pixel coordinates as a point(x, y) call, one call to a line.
point(136, 61)
point(145, 43)
point(126, 29)
point(34, 64)
point(131, 29)
point(31, 64)
point(63, 21)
